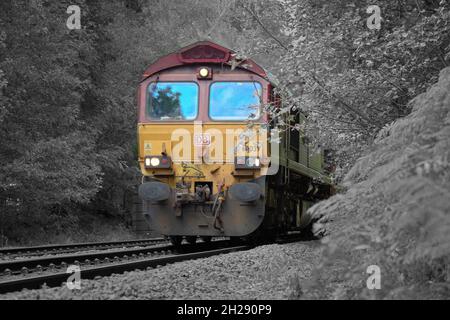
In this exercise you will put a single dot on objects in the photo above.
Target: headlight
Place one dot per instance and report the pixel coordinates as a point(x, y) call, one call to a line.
point(154, 162)
point(247, 163)
point(162, 162)
point(204, 73)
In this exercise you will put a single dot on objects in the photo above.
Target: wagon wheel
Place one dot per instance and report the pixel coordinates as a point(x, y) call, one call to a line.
point(176, 240)
point(191, 239)
point(206, 238)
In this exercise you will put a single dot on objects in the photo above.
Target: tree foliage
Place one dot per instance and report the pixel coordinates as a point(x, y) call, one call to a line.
point(46, 151)
point(67, 102)
point(351, 81)
point(395, 213)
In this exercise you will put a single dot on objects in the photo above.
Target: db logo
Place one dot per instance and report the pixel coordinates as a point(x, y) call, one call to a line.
point(202, 139)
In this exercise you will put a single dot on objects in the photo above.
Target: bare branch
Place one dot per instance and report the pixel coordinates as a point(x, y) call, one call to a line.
point(264, 28)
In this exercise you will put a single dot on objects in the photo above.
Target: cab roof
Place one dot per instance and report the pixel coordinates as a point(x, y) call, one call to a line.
point(206, 52)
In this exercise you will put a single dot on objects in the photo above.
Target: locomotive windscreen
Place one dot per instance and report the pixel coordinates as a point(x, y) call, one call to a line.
point(235, 100)
point(172, 101)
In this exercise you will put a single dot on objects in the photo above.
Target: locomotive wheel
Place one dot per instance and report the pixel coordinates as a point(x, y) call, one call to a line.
point(191, 239)
point(176, 240)
point(206, 238)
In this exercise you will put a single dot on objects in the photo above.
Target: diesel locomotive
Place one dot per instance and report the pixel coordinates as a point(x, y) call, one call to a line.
point(213, 159)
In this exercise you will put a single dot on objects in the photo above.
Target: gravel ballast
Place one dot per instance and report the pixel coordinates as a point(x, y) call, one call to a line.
point(266, 272)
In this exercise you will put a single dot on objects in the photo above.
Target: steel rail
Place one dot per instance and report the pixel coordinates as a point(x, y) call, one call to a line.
point(59, 278)
point(78, 257)
point(77, 246)
point(10, 267)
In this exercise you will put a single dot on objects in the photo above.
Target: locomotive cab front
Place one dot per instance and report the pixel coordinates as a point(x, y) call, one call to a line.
point(203, 144)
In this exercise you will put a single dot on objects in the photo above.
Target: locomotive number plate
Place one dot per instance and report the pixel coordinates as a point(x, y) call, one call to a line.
point(202, 139)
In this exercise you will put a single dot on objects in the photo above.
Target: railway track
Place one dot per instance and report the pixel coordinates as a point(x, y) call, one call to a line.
point(23, 266)
point(51, 271)
point(77, 247)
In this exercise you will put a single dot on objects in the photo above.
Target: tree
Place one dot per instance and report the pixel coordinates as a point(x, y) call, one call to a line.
point(349, 80)
point(46, 152)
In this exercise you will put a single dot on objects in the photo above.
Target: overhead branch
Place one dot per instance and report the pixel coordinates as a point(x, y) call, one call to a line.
point(341, 102)
point(264, 28)
point(216, 22)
